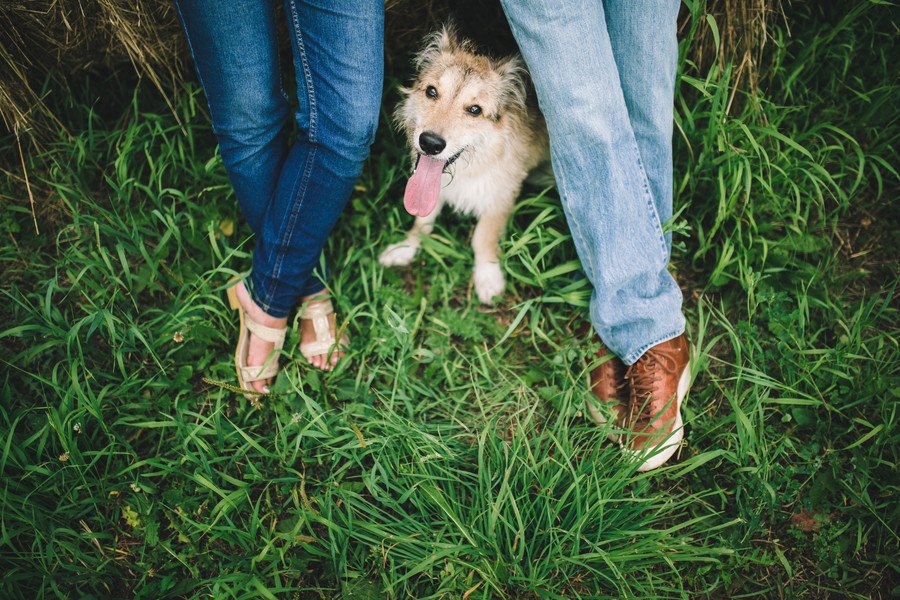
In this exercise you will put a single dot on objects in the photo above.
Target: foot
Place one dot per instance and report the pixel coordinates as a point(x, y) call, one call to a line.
point(399, 254)
point(326, 362)
point(489, 281)
point(658, 383)
point(258, 350)
point(610, 390)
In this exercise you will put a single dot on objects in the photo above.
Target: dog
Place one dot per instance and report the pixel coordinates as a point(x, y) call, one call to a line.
point(474, 134)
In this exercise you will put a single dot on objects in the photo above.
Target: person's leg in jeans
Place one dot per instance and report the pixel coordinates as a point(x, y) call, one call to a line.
point(235, 53)
point(339, 63)
point(613, 206)
point(290, 196)
point(645, 48)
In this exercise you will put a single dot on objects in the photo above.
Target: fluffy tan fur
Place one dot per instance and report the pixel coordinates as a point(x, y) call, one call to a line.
point(497, 148)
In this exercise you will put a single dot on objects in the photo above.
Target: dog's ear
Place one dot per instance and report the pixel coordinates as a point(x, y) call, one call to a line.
point(513, 76)
point(449, 38)
point(443, 41)
point(403, 117)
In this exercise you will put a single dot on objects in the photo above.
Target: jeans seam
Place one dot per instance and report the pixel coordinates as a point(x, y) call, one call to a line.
point(645, 185)
point(575, 224)
point(299, 201)
point(307, 73)
point(266, 307)
point(300, 194)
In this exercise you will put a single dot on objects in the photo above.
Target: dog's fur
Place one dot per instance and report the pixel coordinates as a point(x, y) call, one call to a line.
point(496, 148)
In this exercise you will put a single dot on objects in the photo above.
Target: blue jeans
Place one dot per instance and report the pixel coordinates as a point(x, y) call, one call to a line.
point(604, 72)
point(290, 194)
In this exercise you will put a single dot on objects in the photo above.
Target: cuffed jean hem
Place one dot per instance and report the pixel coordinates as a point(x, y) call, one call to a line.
point(633, 357)
point(315, 292)
point(258, 289)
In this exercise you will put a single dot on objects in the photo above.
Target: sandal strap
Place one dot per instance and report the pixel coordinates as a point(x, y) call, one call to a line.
point(317, 309)
point(258, 372)
point(322, 346)
point(318, 314)
point(250, 373)
point(269, 370)
point(325, 341)
point(267, 334)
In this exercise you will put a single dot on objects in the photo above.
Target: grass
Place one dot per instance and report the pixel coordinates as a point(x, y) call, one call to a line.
point(449, 456)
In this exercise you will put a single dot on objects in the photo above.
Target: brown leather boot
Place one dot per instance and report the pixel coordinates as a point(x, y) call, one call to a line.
point(658, 383)
point(610, 389)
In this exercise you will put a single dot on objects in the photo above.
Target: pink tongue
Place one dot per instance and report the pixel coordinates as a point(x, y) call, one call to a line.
point(424, 187)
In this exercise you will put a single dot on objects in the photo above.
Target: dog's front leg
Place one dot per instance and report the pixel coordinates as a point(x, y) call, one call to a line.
point(403, 253)
point(489, 281)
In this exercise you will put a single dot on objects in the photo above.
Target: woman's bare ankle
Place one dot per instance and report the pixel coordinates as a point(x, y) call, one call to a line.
point(315, 298)
point(255, 312)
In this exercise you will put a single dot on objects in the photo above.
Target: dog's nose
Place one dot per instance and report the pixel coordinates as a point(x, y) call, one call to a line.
point(431, 143)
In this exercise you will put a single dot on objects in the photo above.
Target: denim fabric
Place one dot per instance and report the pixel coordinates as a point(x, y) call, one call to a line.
point(604, 72)
point(290, 194)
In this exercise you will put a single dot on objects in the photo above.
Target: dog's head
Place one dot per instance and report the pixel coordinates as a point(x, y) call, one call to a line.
point(454, 108)
point(459, 97)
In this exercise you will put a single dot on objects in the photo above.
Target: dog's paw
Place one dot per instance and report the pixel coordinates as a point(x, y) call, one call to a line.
point(398, 255)
point(489, 282)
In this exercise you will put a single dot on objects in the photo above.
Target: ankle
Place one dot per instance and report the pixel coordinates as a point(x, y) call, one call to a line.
point(315, 298)
point(255, 312)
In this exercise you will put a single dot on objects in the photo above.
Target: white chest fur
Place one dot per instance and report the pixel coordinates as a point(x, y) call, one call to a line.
point(482, 186)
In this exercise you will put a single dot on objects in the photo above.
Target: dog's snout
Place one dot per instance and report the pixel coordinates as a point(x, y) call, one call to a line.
point(431, 143)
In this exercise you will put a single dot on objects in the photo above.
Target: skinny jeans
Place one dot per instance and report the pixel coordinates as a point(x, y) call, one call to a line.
point(290, 193)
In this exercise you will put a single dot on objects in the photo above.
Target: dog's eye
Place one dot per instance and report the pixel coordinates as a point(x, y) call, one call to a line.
point(431, 91)
point(474, 110)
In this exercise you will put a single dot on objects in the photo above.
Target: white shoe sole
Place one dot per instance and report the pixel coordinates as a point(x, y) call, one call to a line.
point(659, 455)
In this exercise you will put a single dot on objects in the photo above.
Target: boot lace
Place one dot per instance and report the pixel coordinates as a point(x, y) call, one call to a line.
point(645, 377)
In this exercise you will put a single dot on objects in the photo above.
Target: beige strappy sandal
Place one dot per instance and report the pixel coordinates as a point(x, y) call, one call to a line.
point(248, 374)
point(325, 341)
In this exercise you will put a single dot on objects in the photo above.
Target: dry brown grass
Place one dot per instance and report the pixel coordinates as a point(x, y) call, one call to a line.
point(743, 27)
point(48, 45)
